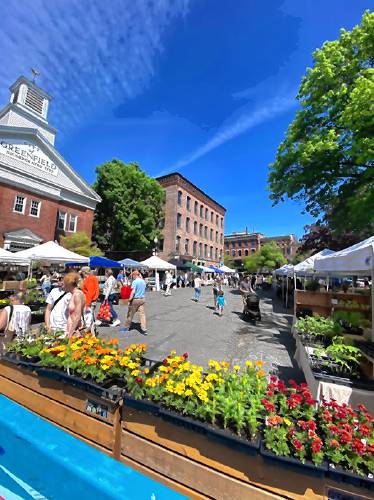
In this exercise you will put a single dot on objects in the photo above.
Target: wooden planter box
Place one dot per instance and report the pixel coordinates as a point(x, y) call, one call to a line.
point(88, 417)
point(212, 468)
point(183, 459)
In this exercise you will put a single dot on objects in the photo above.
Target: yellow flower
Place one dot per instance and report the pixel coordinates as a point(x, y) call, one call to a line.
point(135, 373)
point(259, 363)
point(105, 367)
point(260, 374)
point(249, 364)
point(61, 354)
point(188, 392)
point(236, 368)
point(146, 371)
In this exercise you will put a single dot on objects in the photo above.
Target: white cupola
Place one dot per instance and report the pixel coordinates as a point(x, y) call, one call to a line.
point(28, 107)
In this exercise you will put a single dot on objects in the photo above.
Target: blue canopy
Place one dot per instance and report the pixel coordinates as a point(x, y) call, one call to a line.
point(103, 262)
point(216, 270)
point(132, 264)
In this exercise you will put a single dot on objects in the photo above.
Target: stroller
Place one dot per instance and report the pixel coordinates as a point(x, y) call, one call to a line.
point(251, 310)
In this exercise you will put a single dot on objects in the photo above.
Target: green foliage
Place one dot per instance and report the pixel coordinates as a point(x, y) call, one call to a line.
point(131, 208)
point(327, 156)
point(270, 256)
point(81, 244)
point(227, 260)
point(317, 326)
point(352, 318)
point(345, 355)
point(312, 286)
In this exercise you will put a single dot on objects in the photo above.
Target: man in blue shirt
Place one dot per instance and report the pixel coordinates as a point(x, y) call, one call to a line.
point(136, 303)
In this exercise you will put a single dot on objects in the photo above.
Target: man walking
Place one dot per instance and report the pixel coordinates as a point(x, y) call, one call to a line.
point(168, 283)
point(136, 303)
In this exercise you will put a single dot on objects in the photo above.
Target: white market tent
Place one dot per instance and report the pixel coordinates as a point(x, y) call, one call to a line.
point(12, 258)
point(285, 270)
point(52, 252)
point(354, 260)
point(226, 269)
point(156, 264)
point(307, 265)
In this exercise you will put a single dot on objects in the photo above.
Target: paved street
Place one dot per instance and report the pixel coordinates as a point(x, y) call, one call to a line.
point(177, 322)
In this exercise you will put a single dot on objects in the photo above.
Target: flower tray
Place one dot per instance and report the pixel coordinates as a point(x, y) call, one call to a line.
point(141, 404)
point(151, 364)
point(108, 390)
point(23, 361)
point(214, 434)
point(366, 385)
point(339, 474)
point(307, 467)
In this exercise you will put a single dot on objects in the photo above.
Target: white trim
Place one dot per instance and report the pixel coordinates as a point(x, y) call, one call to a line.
point(58, 220)
point(39, 207)
point(23, 204)
point(75, 224)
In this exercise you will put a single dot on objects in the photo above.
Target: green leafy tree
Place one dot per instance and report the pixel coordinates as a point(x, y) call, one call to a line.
point(80, 243)
point(131, 208)
point(270, 256)
point(326, 159)
point(227, 260)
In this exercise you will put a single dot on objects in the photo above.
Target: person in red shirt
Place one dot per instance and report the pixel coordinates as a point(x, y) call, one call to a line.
point(90, 288)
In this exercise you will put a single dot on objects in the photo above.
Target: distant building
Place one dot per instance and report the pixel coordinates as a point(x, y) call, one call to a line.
point(242, 244)
point(41, 196)
point(193, 226)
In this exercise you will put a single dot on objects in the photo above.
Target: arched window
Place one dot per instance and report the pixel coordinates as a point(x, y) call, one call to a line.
point(239, 253)
point(194, 251)
point(246, 252)
point(233, 252)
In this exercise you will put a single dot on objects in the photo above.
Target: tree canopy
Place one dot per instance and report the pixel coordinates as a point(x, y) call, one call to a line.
point(317, 237)
point(128, 217)
point(327, 157)
point(270, 256)
point(80, 243)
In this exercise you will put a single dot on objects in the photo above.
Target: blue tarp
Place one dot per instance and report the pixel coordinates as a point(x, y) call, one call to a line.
point(216, 270)
point(96, 262)
point(130, 263)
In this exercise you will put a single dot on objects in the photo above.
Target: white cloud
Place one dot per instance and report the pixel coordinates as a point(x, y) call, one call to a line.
point(237, 125)
point(90, 53)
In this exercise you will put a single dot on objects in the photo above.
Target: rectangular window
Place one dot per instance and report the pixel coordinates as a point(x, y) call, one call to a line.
point(216, 253)
point(19, 204)
point(186, 247)
point(200, 249)
point(216, 236)
point(196, 209)
point(217, 220)
point(211, 253)
point(205, 251)
point(35, 208)
point(205, 232)
point(180, 198)
point(221, 221)
point(201, 230)
point(195, 227)
point(188, 203)
point(194, 248)
point(221, 238)
point(161, 245)
point(206, 214)
point(73, 223)
point(187, 224)
point(211, 235)
point(201, 211)
point(179, 220)
point(61, 220)
point(177, 243)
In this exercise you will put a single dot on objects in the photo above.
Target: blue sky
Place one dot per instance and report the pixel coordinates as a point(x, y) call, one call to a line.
point(204, 87)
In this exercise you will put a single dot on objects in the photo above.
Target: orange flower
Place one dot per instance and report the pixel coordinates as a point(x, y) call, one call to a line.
point(113, 341)
point(90, 361)
point(274, 420)
point(76, 355)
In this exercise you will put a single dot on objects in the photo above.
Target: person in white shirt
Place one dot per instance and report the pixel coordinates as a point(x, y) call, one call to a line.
point(15, 320)
point(168, 283)
point(197, 287)
point(46, 282)
point(57, 313)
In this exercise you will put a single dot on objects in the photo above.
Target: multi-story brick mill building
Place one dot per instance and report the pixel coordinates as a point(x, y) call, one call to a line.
point(242, 244)
point(41, 196)
point(193, 227)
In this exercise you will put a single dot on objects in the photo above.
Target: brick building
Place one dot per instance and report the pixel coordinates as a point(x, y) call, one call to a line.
point(193, 227)
point(41, 196)
point(242, 244)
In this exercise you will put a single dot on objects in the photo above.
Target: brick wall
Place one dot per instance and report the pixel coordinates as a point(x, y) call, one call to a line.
point(44, 225)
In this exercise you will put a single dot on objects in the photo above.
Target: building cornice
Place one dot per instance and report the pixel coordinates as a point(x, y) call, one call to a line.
point(177, 179)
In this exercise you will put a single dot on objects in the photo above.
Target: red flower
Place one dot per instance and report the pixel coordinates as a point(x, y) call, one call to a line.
point(312, 425)
point(345, 437)
point(334, 443)
point(358, 446)
point(334, 429)
point(316, 445)
point(293, 384)
point(294, 400)
point(273, 379)
point(362, 408)
point(327, 416)
point(270, 394)
point(185, 355)
point(268, 406)
point(138, 380)
point(297, 444)
point(165, 361)
point(282, 387)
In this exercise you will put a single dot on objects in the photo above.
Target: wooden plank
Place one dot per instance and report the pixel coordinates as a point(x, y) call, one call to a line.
point(163, 480)
point(202, 479)
point(55, 389)
point(117, 432)
point(216, 456)
point(82, 424)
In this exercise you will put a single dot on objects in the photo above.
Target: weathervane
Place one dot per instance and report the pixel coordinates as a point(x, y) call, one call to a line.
point(35, 73)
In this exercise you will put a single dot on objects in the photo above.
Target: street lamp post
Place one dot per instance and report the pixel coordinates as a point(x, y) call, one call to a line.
point(157, 277)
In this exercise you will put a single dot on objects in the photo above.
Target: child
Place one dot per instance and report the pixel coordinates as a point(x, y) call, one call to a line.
point(220, 302)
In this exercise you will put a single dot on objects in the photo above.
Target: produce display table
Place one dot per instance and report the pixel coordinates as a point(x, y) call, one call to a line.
point(328, 390)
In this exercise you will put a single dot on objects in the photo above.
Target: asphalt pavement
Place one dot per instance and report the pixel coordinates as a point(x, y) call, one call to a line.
point(178, 322)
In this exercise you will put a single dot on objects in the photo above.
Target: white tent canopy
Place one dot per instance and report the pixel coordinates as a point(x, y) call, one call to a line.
point(12, 258)
point(158, 264)
point(357, 259)
point(285, 270)
point(307, 265)
point(51, 252)
point(226, 269)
